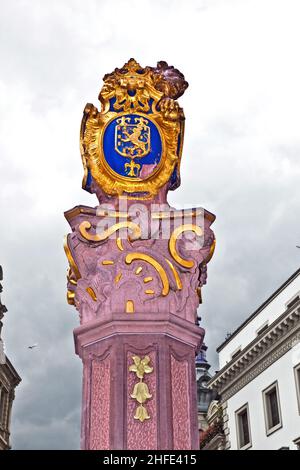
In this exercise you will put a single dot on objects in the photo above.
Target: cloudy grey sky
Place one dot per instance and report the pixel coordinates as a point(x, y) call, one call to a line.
point(240, 161)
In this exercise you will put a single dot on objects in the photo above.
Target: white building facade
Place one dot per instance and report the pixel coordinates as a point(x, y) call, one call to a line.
point(259, 377)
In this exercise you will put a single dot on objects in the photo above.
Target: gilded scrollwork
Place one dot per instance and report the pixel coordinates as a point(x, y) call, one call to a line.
point(73, 265)
point(85, 226)
point(173, 241)
point(139, 269)
point(157, 266)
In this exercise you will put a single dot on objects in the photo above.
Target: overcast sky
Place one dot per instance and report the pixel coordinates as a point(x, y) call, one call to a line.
point(240, 161)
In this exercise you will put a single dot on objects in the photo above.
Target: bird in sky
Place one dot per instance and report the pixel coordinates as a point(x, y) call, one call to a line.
point(33, 346)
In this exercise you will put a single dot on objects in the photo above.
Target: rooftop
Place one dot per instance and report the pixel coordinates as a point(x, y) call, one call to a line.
point(259, 310)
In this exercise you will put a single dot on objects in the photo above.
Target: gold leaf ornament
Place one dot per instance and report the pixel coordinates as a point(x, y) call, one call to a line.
point(141, 392)
point(140, 366)
point(141, 414)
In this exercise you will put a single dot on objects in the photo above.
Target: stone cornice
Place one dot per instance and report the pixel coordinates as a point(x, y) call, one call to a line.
point(9, 375)
point(216, 443)
point(114, 324)
point(280, 337)
point(260, 309)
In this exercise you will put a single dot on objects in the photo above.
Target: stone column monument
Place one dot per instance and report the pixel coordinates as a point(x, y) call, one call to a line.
point(136, 267)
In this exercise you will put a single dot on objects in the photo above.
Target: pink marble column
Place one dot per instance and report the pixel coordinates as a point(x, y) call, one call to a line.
point(106, 348)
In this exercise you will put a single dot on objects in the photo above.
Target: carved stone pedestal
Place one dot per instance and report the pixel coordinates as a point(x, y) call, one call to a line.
point(107, 348)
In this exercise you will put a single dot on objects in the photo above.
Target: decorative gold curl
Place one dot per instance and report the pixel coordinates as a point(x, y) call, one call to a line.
point(99, 237)
point(172, 243)
point(92, 293)
point(119, 244)
point(70, 258)
point(70, 297)
point(175, 274)
point(162, 273)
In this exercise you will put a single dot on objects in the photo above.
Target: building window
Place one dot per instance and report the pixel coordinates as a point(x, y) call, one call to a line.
point(297, 380)
point(272, 408)
point(243, 427)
